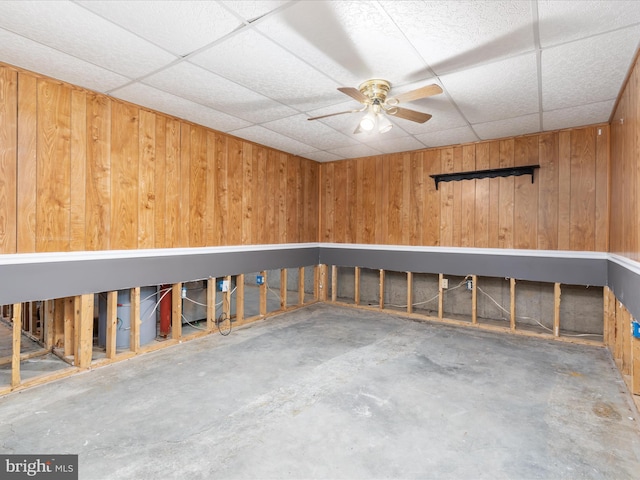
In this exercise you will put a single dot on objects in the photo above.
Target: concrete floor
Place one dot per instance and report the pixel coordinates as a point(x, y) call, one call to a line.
point(329, 392)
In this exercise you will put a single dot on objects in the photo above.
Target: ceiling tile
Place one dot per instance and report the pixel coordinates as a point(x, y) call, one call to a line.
point(30, 55)
point(70, 28)
point(355, 151)
point(177, 26)
point(201, 86)
point(587, 71)
point(454, 136)
point(263, 136)
point(444, 115)
point(179, 107)
point(562, 21)
point(496, 91)
point(578, 116)
point(510, 127)
point(313, 133)
point(251, 10)
point(251, 60)
point(399, 144)
point(323, 156)
point(455, 35)
point(350, 41)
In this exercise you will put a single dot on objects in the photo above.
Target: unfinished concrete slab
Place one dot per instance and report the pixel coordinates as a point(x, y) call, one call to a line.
point(330, 392)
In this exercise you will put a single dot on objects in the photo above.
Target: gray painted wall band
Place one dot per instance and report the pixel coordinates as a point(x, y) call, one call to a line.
point(573, 271)
point(56, 279)
point(625, 284)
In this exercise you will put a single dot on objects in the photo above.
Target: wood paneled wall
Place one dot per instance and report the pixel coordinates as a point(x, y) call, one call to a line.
point(625, 170)
point(391, 199)
point(83, 171)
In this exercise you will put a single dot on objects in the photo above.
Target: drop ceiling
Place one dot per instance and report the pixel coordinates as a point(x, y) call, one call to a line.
point(259, 69)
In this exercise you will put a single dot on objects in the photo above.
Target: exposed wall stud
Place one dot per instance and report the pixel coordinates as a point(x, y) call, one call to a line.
point(17, 333)
point(68, 327)
point(49, 326)
point(440, 295)
point(556, 309)
point(176, 311)
point(263, 294)
point(84, 329)
point(512, 290)
point(356, 286)
point(240, 298)
point(301, 286)
point(474, 299)
point(409, 292)
point(334, 283)
point(381, 289)
point(112, 323)
point(226, 298)
point(283, 289)
point(211, 303)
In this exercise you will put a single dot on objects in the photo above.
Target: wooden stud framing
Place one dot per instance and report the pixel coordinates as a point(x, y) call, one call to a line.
point(512, 290)
point(263, 294)
point(409, 292)
point(58, 322)
point(112, 323)
point(381, 289)
point(356, 286)
point(301, 286)
point(334, 283)
point(84, 329)
point(226, 298)
point(49, 326)
point(635, 366)
point(283, 289)
point(211, 303)
point(68, 327)
point(440, 296)
point(239, 298)
point(17, 333)
point(134, 319)
point(556, 309)
point(176, 311)
point(474, 299)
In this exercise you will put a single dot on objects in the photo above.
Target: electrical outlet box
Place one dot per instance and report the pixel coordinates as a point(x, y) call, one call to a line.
point(260, 280)
point(445, 283)
point(469, 284)
point(223, 285)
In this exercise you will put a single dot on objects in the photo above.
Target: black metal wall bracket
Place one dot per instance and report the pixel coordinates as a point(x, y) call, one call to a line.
point(492, 173)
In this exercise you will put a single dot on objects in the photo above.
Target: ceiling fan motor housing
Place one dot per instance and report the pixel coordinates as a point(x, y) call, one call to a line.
point(376, 90)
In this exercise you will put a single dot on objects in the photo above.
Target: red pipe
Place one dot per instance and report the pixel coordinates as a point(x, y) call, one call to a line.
point(165, 311)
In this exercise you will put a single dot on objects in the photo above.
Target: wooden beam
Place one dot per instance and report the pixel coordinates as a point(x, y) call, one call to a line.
point(474, 299)
point(263, 294)
point(240, 298)
point(409, 292)
point(226, 298)
point(626, 341)
point(611, 319)
point(68, 326)
point(176, 311)
point(112, 323)
point(49, 325)
point(84, 328)
point(381, 289)
point(557, 292)
point(211, 303)
point(440, 296)
point(134, 319)
point(58, 322)
point(323, 285)
point(17, 333)
point(635, 366)
point(356, 286)
point(334, 283)
point(605, 316)
point(301, 286)
point(283, 289)
point(512, 290)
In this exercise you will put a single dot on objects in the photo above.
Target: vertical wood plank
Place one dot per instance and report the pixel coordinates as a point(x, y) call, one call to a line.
point(8, 159)
point(525, 227)
point(369, 201)
point(556, 309)
point(352, 202)
point(481, 215)
point(447, 199)
point(356, 286)
point(583, 191)
point(211, 200)
point(506, 196)
point(292, 199)
point(226, 299)
point(512, 295)
point(78, 174)
point(282, 198)
point(58, 322)
point(134, 319)
point(69, 327)
point(124, 176)
point(234, 186)
point(334, 283)
point(431, 218)
point(440, 296)
point(548, 190)
point(564, 190)
point(160, 176)
point(283, 289)
point(494, 197)
point(474, 299)
point(323, 283)
point(27, 124)
point(247, 194)
point(457, 199)
point(53, 167)
point(98, 190)
point(173, 217)
point(602, 189)
point(176, 311)
point(184, 228)
point(300, 285)
point(222, 205)
point(197, 187)
point(626, 341)
point(395, 206)
point(147, 180)
point(260, 196)
point(468, 198)
point(263, 294)
point(84, 314)
point(49, 324)
point(240, 298)
point(417, 189)
point(271, 216)
point(112, 323)
point(15, 343)
point(381, 289)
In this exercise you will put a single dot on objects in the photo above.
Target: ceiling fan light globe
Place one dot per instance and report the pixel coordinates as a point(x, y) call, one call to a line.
point(368, 122)
point(384, 125)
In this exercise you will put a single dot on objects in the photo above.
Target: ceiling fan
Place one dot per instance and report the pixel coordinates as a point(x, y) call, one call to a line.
point(373, 95)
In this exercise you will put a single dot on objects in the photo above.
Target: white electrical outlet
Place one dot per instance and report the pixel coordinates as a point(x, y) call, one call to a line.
point(224, 286)
point(445, 283)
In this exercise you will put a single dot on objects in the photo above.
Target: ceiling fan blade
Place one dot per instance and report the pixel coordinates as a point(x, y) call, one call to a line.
point(333, 114)
point(354, 93)
point(418, 93)
point(408, 114)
